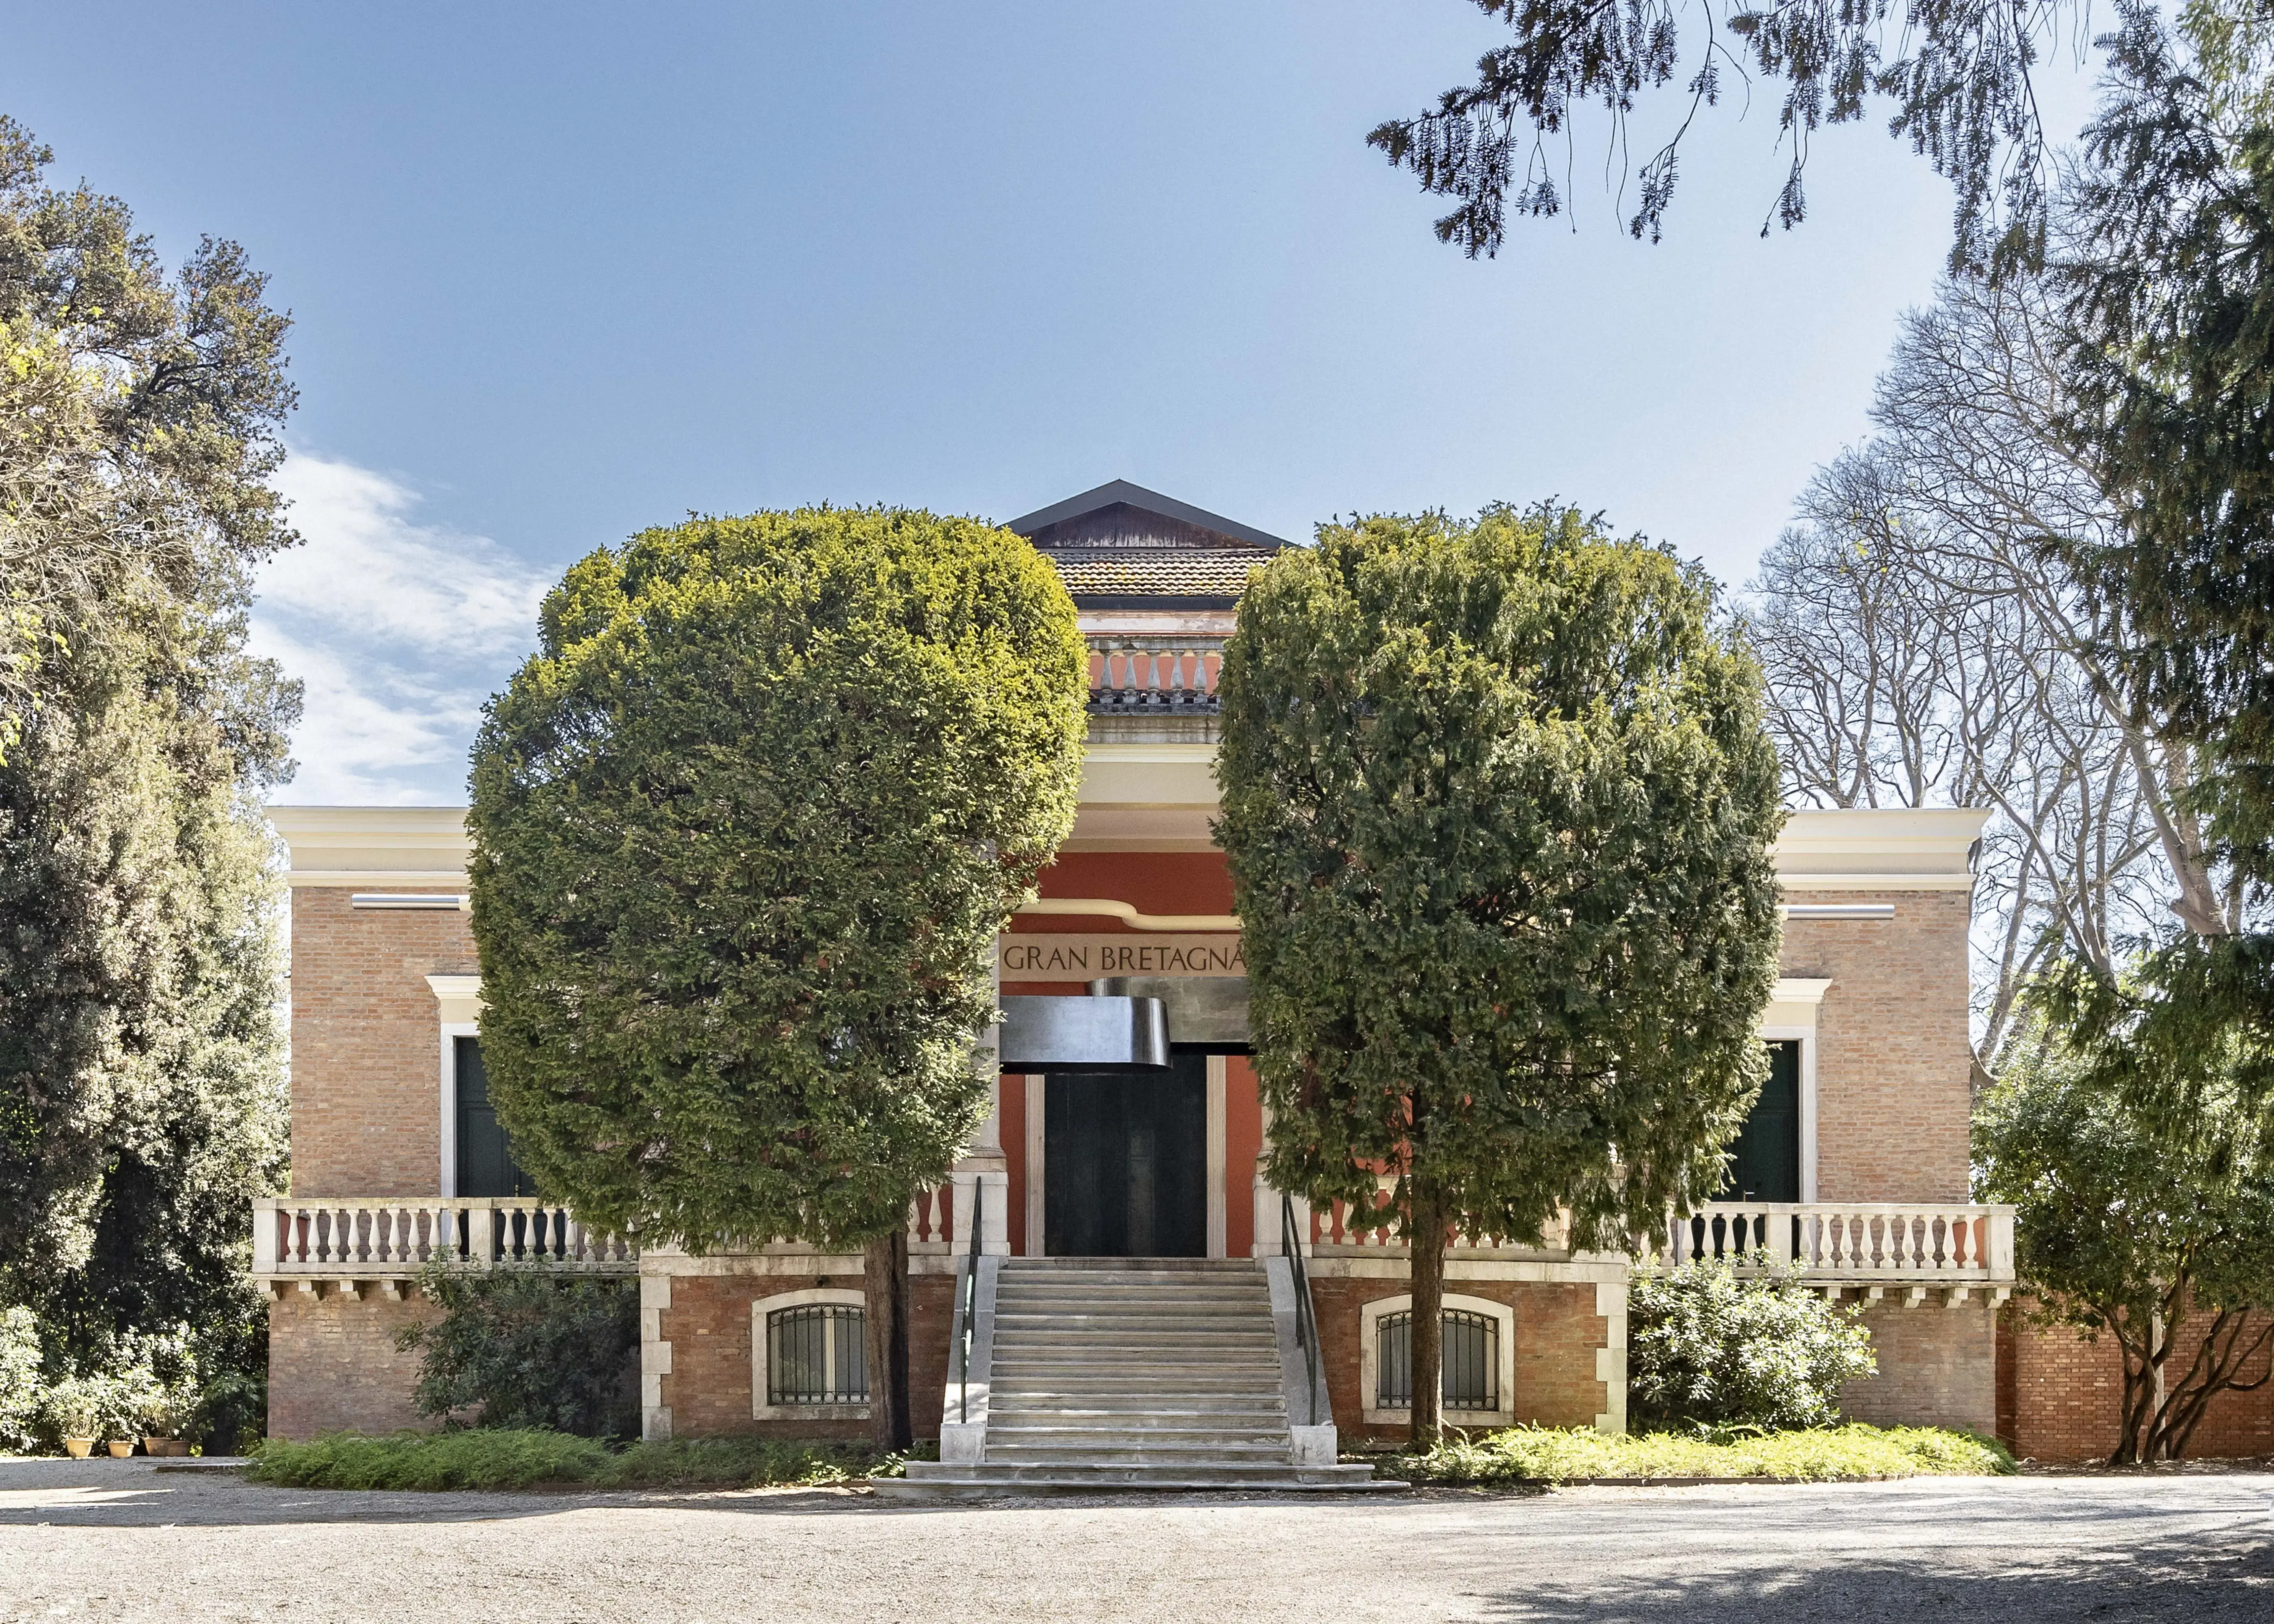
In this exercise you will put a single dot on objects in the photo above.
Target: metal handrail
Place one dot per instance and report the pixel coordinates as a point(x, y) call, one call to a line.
point(970, 1301)
point(1307, 1327)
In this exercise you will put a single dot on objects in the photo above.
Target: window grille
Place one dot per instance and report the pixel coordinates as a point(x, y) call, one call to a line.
point(1470, 1357)
point(817, 1354)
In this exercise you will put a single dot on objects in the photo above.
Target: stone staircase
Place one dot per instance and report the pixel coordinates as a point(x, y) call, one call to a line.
point(1133, 1373)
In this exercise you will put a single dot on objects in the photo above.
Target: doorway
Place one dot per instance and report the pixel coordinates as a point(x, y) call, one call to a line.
point(1765, 1160)
point(1125, 1162)
point(485, 1163)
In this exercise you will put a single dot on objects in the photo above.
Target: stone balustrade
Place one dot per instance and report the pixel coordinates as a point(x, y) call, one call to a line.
point(387, 1240)
point(1160, 675)
point(1873, 1249)
point(1912, 1247)
point(392, 1239)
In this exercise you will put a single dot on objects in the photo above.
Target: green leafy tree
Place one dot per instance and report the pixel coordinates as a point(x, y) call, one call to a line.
point(525, 1348)
point(1499, 802)
point(2167, 278)
point(2166, 1247)
point(745, 829)
point(1958, 77)
point(141, 1081)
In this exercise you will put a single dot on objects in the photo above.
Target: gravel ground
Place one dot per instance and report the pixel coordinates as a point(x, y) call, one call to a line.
point(118, 1539)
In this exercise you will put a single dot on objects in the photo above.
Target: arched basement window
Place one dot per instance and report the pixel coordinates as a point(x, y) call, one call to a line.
point(1471, 1361)
point(817, 1353)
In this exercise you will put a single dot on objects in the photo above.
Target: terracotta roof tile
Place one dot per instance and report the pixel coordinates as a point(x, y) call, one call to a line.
point(1131, 572)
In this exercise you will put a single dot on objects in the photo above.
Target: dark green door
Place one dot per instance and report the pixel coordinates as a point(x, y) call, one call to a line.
point(1765, 1162)
point(1125, 1162)
point(485, 1163)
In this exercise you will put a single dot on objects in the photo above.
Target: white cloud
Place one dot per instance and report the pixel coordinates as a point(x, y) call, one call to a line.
point(398, 631)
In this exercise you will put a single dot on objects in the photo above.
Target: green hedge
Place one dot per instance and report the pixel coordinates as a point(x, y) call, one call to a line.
point(1820, 1454)
point(503, 1458)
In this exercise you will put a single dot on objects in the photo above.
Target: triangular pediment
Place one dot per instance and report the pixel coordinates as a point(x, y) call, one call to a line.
point(1120, 515)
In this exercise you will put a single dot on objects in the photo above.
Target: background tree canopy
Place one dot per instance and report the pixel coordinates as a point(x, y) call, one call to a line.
point(1959, 77)
point(141, 1080)
point(1499, 804)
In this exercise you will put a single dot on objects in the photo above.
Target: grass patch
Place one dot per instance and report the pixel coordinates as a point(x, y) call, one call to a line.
point(1822, 1455)
point(487, 1458)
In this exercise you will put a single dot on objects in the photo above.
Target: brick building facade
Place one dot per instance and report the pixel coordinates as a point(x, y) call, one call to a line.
point(1865, 1149)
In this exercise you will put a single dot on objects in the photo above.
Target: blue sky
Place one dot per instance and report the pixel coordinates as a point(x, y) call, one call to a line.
point(561, 272)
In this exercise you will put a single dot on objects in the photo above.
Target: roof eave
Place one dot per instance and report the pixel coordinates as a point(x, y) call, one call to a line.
point(1137, 496)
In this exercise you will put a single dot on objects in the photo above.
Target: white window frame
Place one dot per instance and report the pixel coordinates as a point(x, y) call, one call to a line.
point(761, 1382)
point(1805, 1036)
point(1791, 1019)
point(1370, 1317)
point(460, 1001)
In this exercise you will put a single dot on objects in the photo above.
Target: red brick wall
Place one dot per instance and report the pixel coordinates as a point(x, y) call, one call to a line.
point(1893, 1064)
point(333, 1365)
point(1938, 1367)
point(708, 1326)
point(367, 1044)
point(1557, 1335)
point(2060, 1398)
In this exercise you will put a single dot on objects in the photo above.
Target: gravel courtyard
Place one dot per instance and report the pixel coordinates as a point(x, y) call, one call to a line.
point(118, 1539)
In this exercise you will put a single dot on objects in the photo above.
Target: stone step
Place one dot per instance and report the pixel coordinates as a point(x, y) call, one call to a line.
point(1223, 1376)
point(1162, 1280)
point(1140, 1408)
point(1115, 1303)
point(1218, 1376)
point(1158, 1349)
point(1120, 1329)
point(1091, 1454)
point(1131, 1304)
point(1115, 1285)
point(1134, 1266)
point(1239, 1440)
point(1106, 1474)
point(1149, 1332)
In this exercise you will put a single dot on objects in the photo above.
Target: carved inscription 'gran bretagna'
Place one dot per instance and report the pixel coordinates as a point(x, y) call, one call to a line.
point(1069, 958)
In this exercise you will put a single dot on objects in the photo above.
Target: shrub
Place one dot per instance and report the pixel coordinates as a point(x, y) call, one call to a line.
point(23, 1399)
point(1544, 1454)
point(525, 1350)
point(83, 1406)
point(1706, 1346)
point(476, 1459)
point(482, 1458)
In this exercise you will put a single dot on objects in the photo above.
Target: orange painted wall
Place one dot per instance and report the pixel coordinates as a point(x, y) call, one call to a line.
point(1013, 1101)
point(1243, 1141)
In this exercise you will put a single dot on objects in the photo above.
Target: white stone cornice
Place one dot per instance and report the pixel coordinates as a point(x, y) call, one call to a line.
point(460, 996)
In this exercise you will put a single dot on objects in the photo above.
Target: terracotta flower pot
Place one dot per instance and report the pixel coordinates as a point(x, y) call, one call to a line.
point(121, 1447)
point(79, 1447)
point(164, 1448)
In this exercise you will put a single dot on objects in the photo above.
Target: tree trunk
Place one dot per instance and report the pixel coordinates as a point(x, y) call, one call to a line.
point(885, 1286)
point(1426, 1250)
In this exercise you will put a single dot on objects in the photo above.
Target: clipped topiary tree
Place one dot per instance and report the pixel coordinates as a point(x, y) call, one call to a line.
point(745, 829)
point(1499, 804)
point(1709, 1346)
